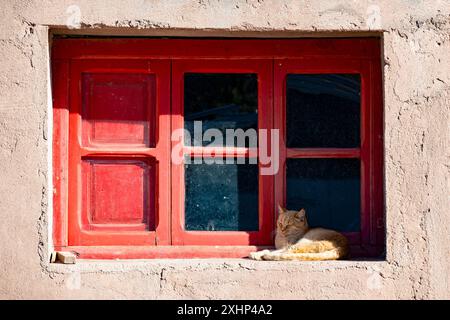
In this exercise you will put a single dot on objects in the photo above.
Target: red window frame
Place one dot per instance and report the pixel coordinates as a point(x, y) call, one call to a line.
point(369, 241)
point(168, 59)
point(263, 70)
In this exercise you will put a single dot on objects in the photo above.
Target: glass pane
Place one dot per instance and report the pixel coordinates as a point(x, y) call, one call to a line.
point(221, 101)
point(221, 197)
point(323, 110)
point(329, 190)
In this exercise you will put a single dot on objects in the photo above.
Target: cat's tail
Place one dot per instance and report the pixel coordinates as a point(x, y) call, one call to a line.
point(333, 254)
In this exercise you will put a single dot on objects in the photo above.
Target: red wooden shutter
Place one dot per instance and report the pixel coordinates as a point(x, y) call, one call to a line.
point(119, 148)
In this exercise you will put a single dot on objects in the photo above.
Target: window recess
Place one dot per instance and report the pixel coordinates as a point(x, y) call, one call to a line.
point(118, 193)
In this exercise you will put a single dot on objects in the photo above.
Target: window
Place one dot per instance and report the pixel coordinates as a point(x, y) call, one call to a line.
point(229, 198)
point(124, 109)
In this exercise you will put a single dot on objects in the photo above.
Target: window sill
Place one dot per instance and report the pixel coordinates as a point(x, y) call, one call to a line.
point(161, 252)
point(189, 252)
point(149, 266)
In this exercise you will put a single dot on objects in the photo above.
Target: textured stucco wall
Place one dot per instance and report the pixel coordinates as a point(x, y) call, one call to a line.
point(417, 108)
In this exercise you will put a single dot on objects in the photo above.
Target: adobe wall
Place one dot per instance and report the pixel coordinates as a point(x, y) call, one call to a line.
point(416, 40)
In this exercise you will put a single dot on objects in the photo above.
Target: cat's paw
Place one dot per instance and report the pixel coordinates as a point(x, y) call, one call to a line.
point(254, 256)
point(269, 256)
point(258, 254)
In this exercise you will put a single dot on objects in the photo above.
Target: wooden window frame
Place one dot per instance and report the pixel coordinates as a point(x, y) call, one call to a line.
point(263, 70)
point(70, 57)
point(369, 240)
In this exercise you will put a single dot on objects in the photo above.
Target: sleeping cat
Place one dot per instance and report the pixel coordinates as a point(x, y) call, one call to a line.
point(294, 240)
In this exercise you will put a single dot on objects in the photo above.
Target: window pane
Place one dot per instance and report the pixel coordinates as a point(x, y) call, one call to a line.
point(221, 101)
point(323, 110)
point(329, 190)
point(221, 197)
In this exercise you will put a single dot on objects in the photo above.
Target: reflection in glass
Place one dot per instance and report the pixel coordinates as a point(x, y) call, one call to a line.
point(221, 101)
point(329, 190)
point(221, 197)
point(323, 110)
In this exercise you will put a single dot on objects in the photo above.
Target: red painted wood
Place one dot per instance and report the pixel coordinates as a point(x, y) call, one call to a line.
point(279, 123)
point(118, 109)
point(366, 210)
point(106, 200)
point(183, 252)
point(227, 152)
point(115, 198)
point(322, 153)
point(122, 152)
point(205, 48)
point(162, 252)
point(60, 84)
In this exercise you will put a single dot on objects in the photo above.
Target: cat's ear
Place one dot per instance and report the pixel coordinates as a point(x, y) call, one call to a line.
point(281, 209)
point(300, 214)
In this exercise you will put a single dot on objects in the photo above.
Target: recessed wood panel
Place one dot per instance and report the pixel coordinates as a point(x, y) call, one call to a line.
point(118, 192)
point(118, 109)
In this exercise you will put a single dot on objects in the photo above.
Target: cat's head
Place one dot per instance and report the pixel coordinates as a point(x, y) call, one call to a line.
point(291, 221)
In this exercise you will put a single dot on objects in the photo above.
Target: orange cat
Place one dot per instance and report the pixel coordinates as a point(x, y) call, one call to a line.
point(294, 240)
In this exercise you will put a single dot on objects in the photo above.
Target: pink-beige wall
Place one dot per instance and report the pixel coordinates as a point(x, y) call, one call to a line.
point(416, 53)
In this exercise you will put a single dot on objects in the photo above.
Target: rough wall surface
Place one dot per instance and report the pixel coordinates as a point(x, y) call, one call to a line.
point(416, 37)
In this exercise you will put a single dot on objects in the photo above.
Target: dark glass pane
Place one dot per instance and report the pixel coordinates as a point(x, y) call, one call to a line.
point(221, 197)
point(221, 101)
point(323, 110)
point(329, 190)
